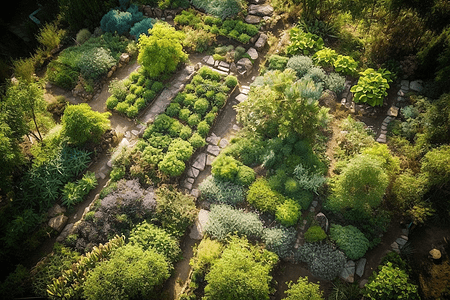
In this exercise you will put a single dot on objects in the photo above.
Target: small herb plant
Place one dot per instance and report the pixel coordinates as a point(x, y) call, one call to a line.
point(345, 65)
point(372, 87)
point(303, 42)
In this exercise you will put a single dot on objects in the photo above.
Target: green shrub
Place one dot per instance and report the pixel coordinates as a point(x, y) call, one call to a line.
point(317, 74)
point(197, 141)
point(122, 107)
point(208, 73)
point(250, 267)
point(62, 75)
point(372, 87)
point(325, 57)
point(142, 27)
point(220, 99)
point(184, 114)
point(118, 89)
point(132, 111)
point(172, 165)
point(225, 168)
point(117, 173)
point(148, 95)
point(315, 234)
point(193, 120)
point(157, 86)
point(245, 175)
point(335, 82)
point(175, 211)
point(140, 103)
point(175, 129)
point(303, 42)
point(201, 106)
point(220, 9)
point(231, 81)
point(225, 221)
point(323, 261)
point(350, 240)
point(111, 102)
point(303, 290)
point(288, 212)
point(300, 64)
point(185, 132)
point(391, 283)
point(210, 118)
point(74, 193)
point(83, 35)
point(280, 240)
point(130, 273)
point(130, 98)
point(262, 197)
point(277, 62)
point(147, 235)
point(181, 148)
point(120, 21)
point(203, 128)
point(345, 65)
point(96, 62)
point(219, 191)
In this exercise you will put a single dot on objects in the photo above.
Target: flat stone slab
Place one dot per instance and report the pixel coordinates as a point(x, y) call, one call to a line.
point(209, 60)
point(66, 231)
point(381, 138)
point(348, 272)
point(100, 175)
point(58, 222)
point(213, 150)
point(224, 64)
point(195, 193)
point(198, 229)
point(200, 162)
point(241, 97)
point(213, 139)
point(209, 159)
point(360, 266)
point(252, 19)
point(261, 42)
point(187, 185)
point(393, 111)
point(401, 242)
point(193, 172)
point(260, 10)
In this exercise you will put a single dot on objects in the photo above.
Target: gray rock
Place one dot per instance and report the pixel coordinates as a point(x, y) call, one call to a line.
point(360, 266)
point(209, 60)
point(401, 242)
point(253, 53)
point(195, 193)
point(213, 150)
point(187, 185)
point(224, 64)
point(223, 143)
point(405, 232)
point(348, 272)
point(322, 220)
point(260, 10)
point(382, 138)
point(100, 175)
point(363, 283)
point(200, 162)
point(66, 231)
point(314, 203)
point(261, 42)
point(394, 245)
point(233, 68)
point(393, 111)
point(416, 85)
point(158, 12)
point(190, 180)
point(244, 65)
point(404, 83)
point(58, 222)
point(198, 229)
point(252, 19)
point(56, 210)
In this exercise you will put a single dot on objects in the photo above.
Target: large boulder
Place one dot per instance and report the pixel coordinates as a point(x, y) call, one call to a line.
point(260, 10)
point(198, 229)
point(261, 42)
point(252, 19)
point(322, 220)
point(244, 66)
point(348, 272)
point(58, 222)
point(253, 53)
point(56, 210)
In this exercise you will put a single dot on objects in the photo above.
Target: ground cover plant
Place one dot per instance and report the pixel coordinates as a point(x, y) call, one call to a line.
point(131, 95)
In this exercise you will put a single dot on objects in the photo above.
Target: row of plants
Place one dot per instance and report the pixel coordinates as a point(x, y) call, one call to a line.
point(372, 85)
point(169, 142)
point(201, 29)
point(131, 95)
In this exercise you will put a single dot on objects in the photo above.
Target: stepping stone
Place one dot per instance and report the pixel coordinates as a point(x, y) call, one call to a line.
point(193, 172)
point(236, 127)
point(348, 272)
point(200, 162)
point(190, 180)
point(394, 245)
point(198, 229)
point(360, 266)
point(245, 89)
point(100, 175)
point(223, 143)
point(314, 203)
point(393, 111)
point(223, 69)
point(382, 138)
point(109, 163)
point(401, 242)
point(58, 222)
point(241, 97)
point(187, 185)
point(401, 93)
point(66, 231)
point(135, 132)
point(404, 83)
point(213, 150)
point(127, 135)
point(220, 71)
point(213, 139)
point(209, 159)
point(252, 19)
point(404, 237)
point(405, 232)
point(209, 60)
point(383, 127)
point(416, 85)
point(224, 64)
point(195, 193)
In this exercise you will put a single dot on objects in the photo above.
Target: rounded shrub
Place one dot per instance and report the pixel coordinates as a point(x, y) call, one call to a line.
point(201, 106)
point(173, 109)
point(300, 64)
point(350, 240)
point(185, 132)
point(245, 175)
point(288, 213)
point(315, 234)
point(184, 114)
point(231, 81)
point(122, 107)
point(220, 99)
point(225, 167)
point(111, 102)
point(132, 111)
point(171, 165)
point(197, 141)
point(203, 128)
point(193, 120)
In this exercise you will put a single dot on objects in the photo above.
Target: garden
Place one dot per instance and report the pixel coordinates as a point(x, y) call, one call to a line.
point(304, 200)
